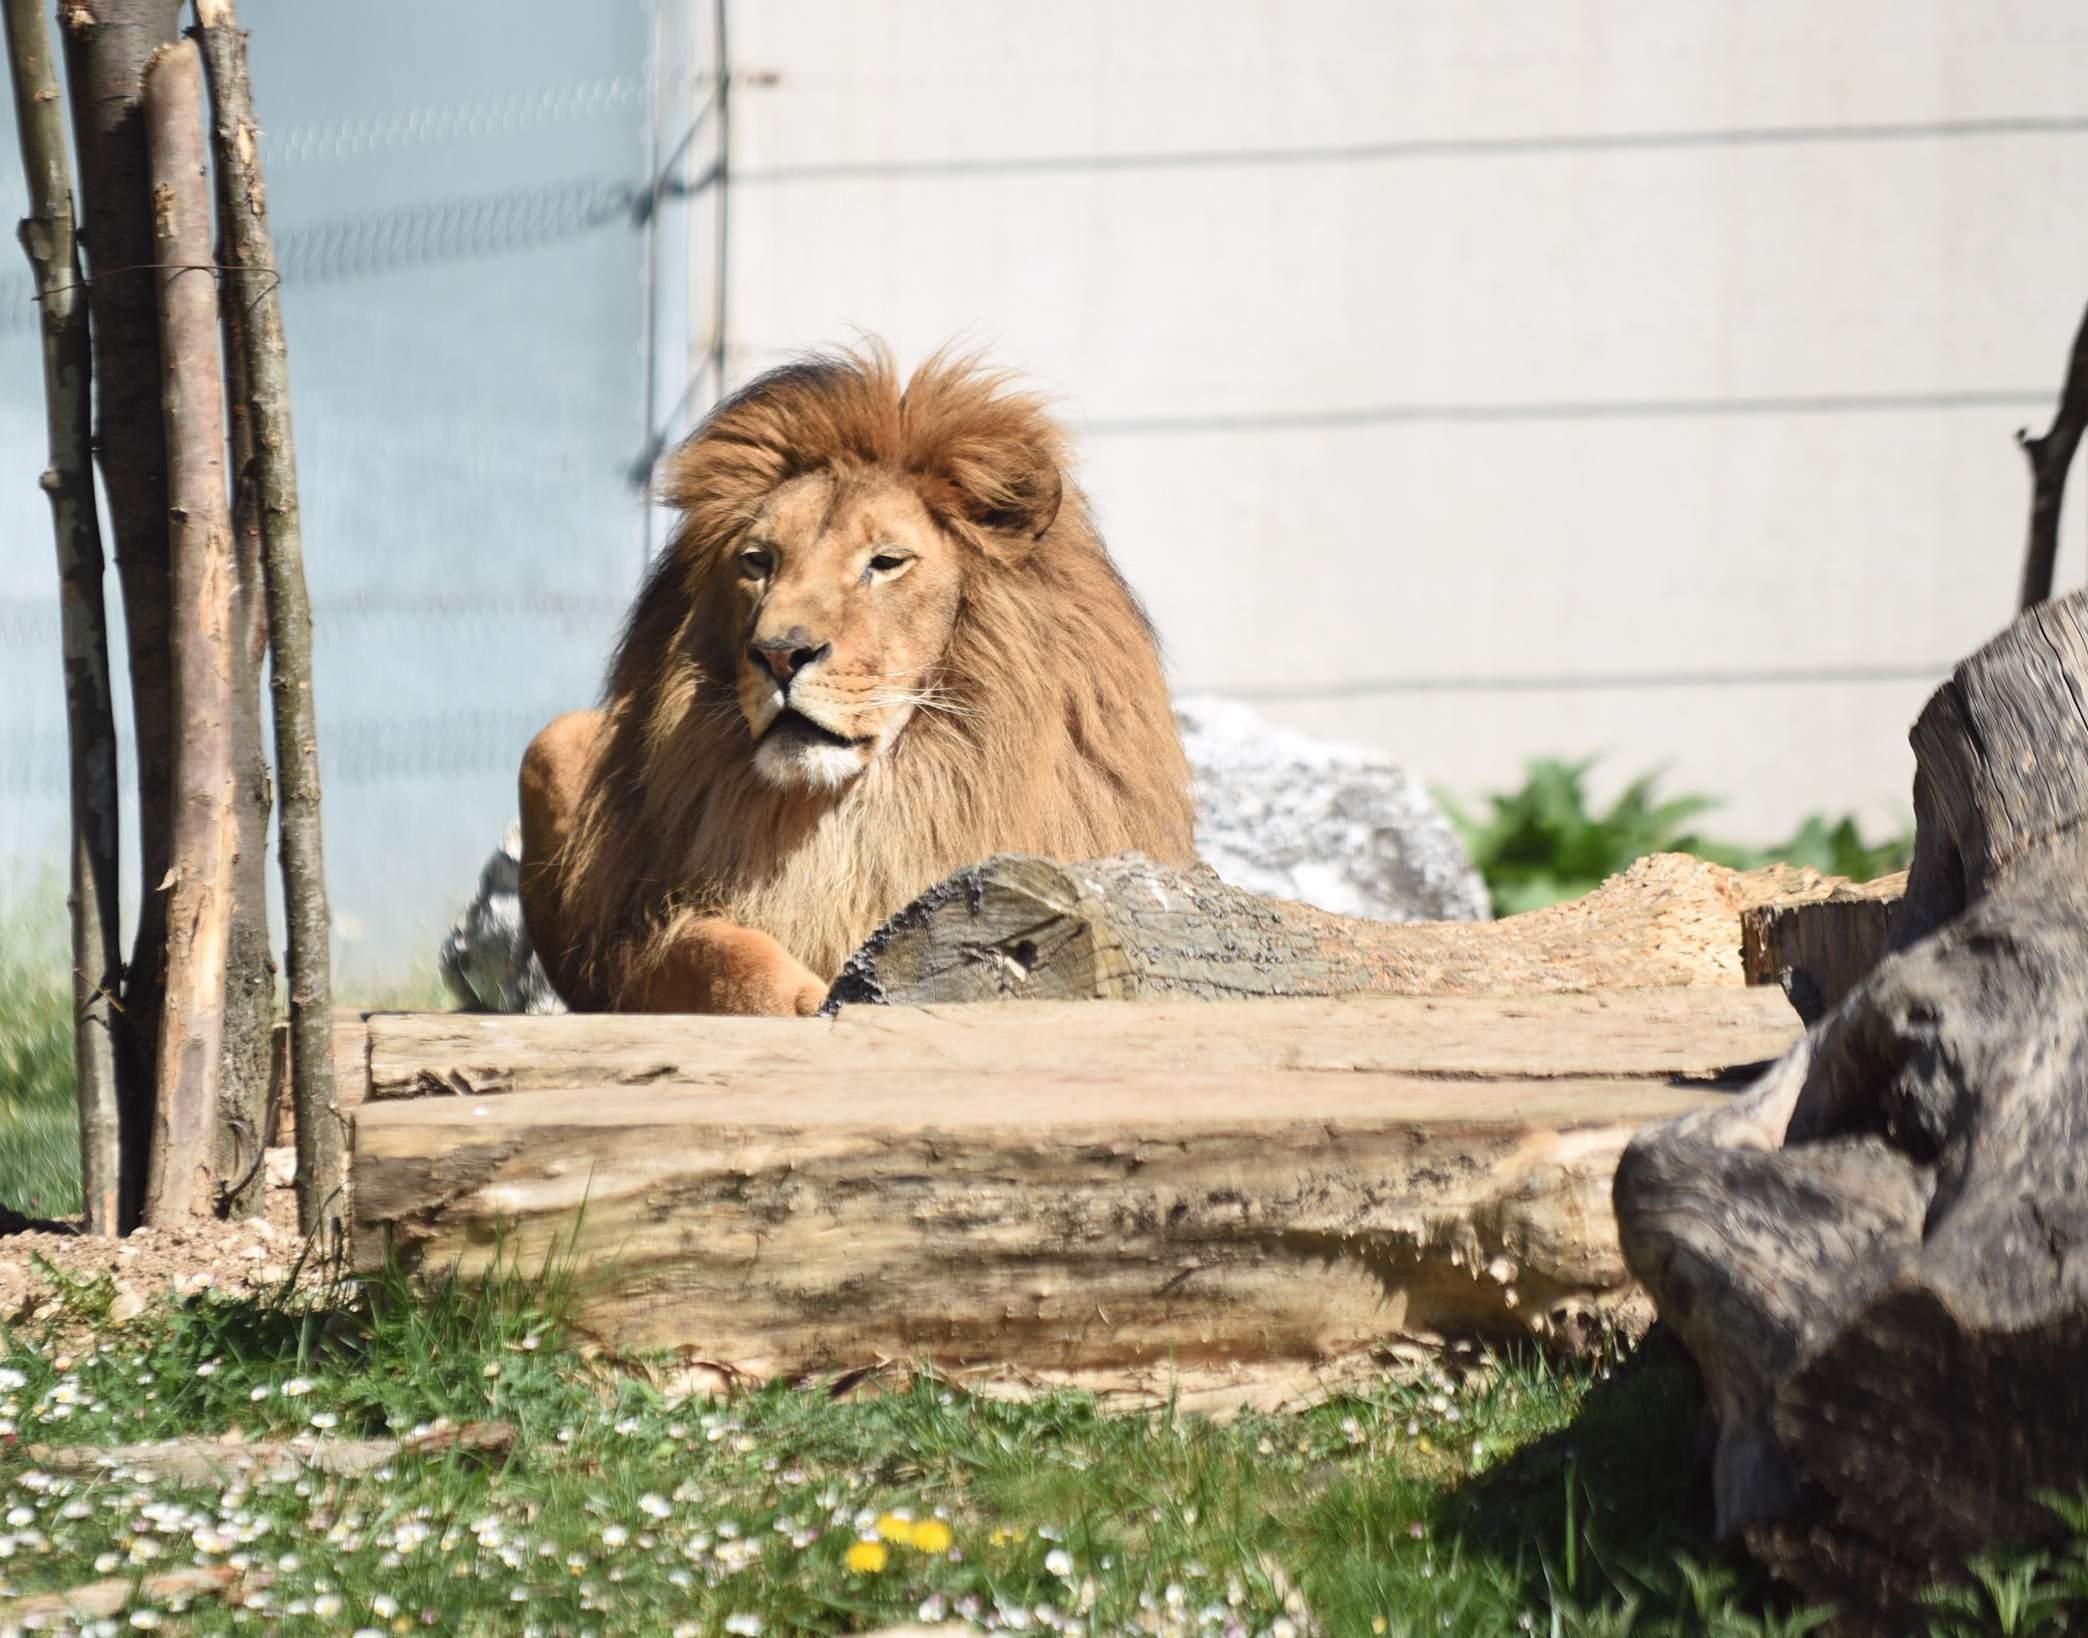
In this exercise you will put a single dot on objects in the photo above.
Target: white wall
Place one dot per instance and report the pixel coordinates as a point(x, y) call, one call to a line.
point(1481, 381)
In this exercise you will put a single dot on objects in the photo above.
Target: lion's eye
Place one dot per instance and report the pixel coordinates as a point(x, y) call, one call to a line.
point(886, 562)
point(755, 564)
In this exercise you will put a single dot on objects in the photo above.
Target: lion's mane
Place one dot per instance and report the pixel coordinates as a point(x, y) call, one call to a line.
point(1059, 738)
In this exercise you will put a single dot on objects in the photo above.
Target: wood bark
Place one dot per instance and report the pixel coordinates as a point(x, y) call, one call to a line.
point(48, 236)
point(250, 999)
point(107, 43)
point(1247, 1186)
point(1819, 947)
point(1877, 1254)
point(2050, 458)
point(1052, 1219)
point(252, 279)
point(182, 1175)
point(1031, 928)
point(1692, 1034)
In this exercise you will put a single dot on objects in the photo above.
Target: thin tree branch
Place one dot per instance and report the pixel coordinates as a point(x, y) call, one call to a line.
point(68, 363)
point(2050, 457)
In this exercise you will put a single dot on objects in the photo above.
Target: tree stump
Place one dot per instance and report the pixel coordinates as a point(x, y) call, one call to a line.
point(1879, 1255)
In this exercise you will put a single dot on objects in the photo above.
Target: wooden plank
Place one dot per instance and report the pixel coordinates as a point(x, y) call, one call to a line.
point(1695, 1033)
point(1059, 1219)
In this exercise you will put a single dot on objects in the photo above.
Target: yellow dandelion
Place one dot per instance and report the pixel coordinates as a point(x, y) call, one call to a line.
point(1006, 1535)
point(868, 1557)
point(894, 1528)
point(931, 1536)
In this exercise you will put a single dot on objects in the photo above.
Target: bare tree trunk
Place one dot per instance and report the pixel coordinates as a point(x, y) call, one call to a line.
point(250, 989)
point(68, 360)
point(107, 43)
point(321, 1179)
point(181, 1177)
point(2049, 458)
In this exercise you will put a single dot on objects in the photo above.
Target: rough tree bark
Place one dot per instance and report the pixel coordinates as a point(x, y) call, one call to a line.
point(252, 280)
point(182, 1173)
point(2050, 456)
point(1879, 1256)
point(250, 995)
point(68, 479)
point(107, 43)
point(1019, 927)
point(1073, 1220)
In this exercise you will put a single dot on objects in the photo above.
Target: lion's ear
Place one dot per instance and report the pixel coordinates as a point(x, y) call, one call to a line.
point(1011, 492)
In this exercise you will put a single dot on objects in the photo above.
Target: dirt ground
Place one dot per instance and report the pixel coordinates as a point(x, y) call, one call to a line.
point(39, 1259)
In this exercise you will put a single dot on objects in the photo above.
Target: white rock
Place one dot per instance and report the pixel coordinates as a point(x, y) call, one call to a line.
point(1329, 825)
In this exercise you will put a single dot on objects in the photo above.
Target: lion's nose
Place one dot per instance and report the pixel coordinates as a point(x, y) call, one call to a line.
point(789, 654)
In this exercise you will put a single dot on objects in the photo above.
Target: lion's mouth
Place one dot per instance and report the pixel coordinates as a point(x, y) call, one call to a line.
point(791, 724)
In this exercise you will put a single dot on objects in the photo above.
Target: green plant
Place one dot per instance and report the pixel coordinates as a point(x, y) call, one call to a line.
point(2012, 1596)
point(1544, 843)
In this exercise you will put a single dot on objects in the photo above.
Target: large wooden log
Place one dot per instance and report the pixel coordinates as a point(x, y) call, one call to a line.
point(1051, 1219)
point(1024, 927)
point(1055, 1185)
point(1877, 1255)
point(1676, 1034)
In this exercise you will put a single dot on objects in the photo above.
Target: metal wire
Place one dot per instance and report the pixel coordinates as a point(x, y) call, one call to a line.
point(442, 122)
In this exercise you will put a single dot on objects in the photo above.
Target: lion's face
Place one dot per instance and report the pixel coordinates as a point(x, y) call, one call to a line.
point(847, 592)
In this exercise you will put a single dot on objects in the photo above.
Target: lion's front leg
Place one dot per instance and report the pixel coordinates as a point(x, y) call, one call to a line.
point(708, 964)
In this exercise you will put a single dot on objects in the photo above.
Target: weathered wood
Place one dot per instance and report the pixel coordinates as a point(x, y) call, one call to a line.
point(182, 1173)
point(49, 238)
point(265, 371)
point(1024, 927)
point(1675, 1034)
point(98, 1600)
point(208, 1461)
point(1818, 947)
point(1876, 1255)
point(1054, 1218)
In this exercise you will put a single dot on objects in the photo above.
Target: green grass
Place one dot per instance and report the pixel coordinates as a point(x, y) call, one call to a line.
point(39, 1131)
point(1514, 1496)
point(1543, 843)
point(39, 1126)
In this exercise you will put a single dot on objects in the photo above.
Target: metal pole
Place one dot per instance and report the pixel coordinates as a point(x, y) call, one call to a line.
point(724, 212)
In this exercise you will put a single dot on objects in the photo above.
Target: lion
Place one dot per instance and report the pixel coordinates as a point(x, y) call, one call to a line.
point(884, 642)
